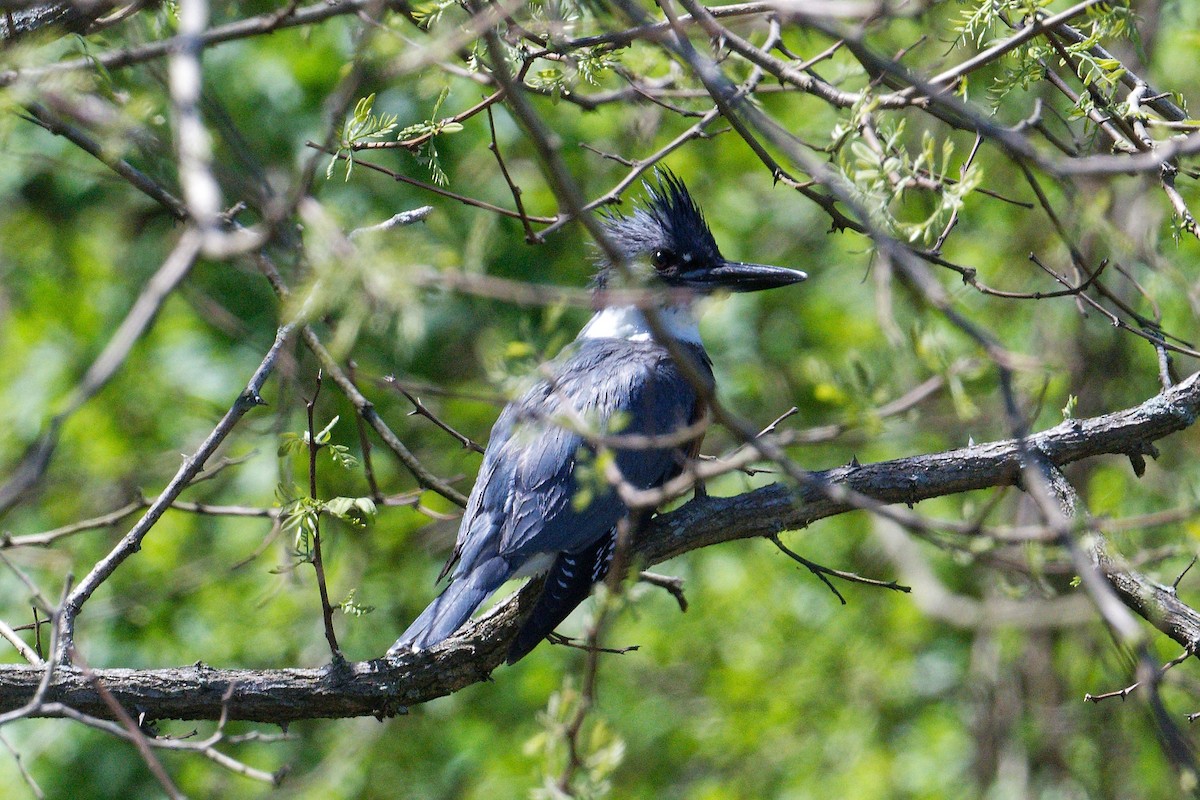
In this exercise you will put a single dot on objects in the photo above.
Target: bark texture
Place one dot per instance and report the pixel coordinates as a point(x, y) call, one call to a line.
point(385, 687)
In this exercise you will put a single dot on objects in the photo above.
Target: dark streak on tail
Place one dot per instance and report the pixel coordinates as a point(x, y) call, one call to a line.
point(568, 584)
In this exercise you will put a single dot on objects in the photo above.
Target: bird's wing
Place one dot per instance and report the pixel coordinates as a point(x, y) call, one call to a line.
point(536, 491)
point(561, 502)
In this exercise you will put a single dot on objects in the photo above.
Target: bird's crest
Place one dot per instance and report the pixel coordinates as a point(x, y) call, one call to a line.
point(667, 220)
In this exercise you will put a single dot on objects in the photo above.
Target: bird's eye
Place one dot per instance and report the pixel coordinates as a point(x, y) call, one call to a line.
point(661, 259)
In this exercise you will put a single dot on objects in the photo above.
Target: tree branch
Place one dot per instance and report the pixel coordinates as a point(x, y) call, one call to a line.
point(259, 25)
point(385, 687)
point(36, 460)
point(131, 542)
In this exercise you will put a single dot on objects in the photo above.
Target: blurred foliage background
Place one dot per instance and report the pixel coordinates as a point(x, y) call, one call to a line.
point(767, 687)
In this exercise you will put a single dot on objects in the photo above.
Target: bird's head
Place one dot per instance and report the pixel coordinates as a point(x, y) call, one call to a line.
point(666, 241)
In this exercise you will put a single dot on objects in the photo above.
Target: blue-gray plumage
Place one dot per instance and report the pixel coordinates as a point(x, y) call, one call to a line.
point(528, 511)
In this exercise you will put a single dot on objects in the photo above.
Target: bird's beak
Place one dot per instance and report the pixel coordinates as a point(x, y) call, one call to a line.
point(738, 276)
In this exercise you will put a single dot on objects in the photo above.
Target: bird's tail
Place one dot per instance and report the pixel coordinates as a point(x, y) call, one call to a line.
point(568, 584)
point(454, 606)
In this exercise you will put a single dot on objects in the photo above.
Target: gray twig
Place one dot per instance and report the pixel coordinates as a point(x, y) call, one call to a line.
point(131, 542)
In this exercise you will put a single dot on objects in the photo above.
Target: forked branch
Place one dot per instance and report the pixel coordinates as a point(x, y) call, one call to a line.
point(386, 687)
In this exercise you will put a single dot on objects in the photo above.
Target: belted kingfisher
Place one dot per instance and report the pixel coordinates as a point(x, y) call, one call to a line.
point(528, 512)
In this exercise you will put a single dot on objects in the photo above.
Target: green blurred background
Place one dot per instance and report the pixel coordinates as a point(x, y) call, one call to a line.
point(767, 687)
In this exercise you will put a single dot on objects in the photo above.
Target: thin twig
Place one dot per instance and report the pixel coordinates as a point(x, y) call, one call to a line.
point(134, 732)
point(822, 572)
point(429, 187)
point(25, 774)
point(364, 442)
point(240, 29)
point(396, 220)
point(567, 641)
point(1128, 690)
point(530, 236)
point(671, 583)
point(420, 409)
point(16, 641)
point(317, 561)
point(132, 541)
point(46, 538)
point(361, 404)
point(40, 115)
point(135, 324)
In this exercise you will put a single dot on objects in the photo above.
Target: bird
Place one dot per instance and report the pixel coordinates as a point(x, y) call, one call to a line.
point(536, 507)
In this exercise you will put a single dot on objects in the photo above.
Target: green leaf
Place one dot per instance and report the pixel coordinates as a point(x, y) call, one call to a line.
point(291, 443)
point(363, 125)
point(352, 609)
point(340, 455)
point(323, 436)
point(355, 510)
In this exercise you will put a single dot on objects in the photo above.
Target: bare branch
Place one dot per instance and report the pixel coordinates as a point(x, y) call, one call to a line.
point(145, 308)
point(25, 775)
point(132, 541)
point(1039, 26)
point(16, 641)
point(135, 733)
point(395, 221)
point(386, 687)
point(364, 407)
point(242, 29)
point(825, 573)
point(318, 561)
point(192, 142)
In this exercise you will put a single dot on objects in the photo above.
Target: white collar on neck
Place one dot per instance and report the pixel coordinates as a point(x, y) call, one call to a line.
point(629, 323)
